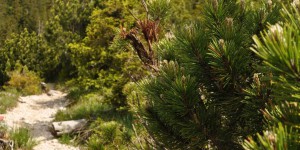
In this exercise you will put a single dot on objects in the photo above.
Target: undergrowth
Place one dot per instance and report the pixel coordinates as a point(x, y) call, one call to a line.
point(8, 99)
point(65, 139)
point(106, 133)
point(25, 81)
point(107, 128)
point(22, 139)
point(89, 107)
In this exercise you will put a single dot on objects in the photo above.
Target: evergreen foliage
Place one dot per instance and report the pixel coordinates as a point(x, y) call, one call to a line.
point(19, 14)
point(162, 74)
point(198, 98)
point(93, 57)
point(28, 49)
point(279, 47)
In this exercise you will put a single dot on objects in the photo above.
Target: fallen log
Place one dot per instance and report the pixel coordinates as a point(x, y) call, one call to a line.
point(65, 127)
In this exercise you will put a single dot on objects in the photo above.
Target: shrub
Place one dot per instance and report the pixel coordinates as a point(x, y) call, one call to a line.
point(196, 97)
point(94, 143)
point(108, 135)
point(32, 50)
point(108, 131)
point(25, 81)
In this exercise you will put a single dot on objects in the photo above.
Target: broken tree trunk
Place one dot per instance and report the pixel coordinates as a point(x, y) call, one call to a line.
point(65, 127)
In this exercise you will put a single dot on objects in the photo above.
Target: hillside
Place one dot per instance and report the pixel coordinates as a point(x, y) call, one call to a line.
point(153, 74)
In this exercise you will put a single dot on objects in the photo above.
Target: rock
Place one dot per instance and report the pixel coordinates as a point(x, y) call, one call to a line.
point(63, 127)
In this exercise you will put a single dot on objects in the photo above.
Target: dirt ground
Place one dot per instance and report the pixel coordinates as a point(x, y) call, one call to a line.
point(36, 112)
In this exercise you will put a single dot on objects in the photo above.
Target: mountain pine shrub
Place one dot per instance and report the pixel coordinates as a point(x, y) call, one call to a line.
point(206, 90)
point(278, 47)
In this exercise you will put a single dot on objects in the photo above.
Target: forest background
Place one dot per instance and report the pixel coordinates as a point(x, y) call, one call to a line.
point(161, 74)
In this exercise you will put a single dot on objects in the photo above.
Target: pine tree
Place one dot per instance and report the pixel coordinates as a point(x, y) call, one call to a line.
point(100, 65)
point(279, 46)
point(202, 95)
point(28, 49)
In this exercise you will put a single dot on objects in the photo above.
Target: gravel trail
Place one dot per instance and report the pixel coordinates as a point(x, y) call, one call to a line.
point(36, 112)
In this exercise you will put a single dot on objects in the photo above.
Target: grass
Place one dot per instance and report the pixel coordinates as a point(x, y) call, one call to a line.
point(65, 139)
point(89, 106)
point(108, 127)
point(22, 139)
point(3, 130)
point(20, 136)
point(8, 99)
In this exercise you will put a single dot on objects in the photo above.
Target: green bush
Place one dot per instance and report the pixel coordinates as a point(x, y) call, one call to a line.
point(197, 98)
point(110, 135)
point(25, 81)
point(94, 143)
point(22, 139)
point(30, 49)
point(108, 131)
point(278, 47)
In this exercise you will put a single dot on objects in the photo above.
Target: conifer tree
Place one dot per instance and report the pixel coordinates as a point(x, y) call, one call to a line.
point(279, 46)
point(28, 49)
point(200, 96)
point(100, 65)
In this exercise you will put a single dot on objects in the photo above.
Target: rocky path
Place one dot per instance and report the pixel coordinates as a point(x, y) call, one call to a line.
point(37, 112)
